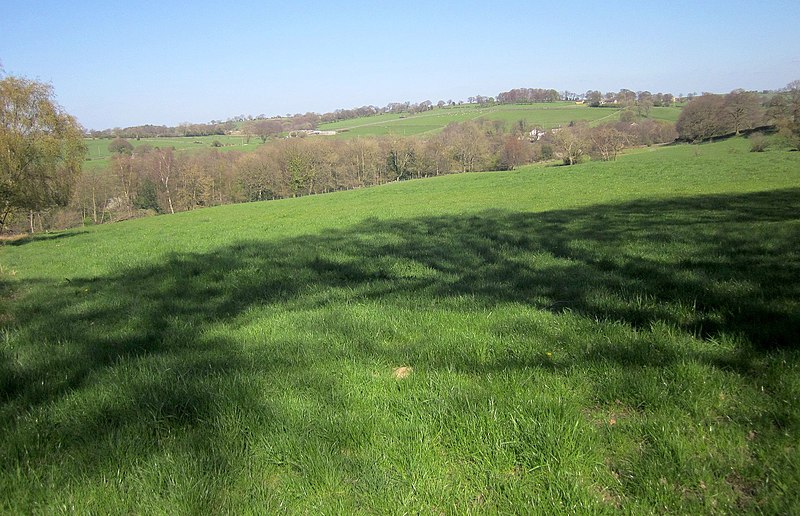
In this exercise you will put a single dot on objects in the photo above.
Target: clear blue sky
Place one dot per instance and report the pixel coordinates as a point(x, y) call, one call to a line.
point(128, 63)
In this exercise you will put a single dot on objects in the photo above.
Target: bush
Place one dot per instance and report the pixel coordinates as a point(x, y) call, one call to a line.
point(627, 116)
point(147, 196)
point(758, 142)
point(788, 138)
point(120, 146)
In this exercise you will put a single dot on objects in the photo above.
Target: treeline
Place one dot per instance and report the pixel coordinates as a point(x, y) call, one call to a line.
point(146, 180)
point(162, 131)
point(520, 95)
point(392, 107)
point(261, 124)
point(577, 141)
point(711, 115)
point(640, 101)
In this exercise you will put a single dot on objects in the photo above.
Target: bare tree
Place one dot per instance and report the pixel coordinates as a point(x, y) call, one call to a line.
point(467, 144)
point(265, 129)
point(570, 147)
point(435, 156)
point(299, 165)
point(258, 175)
point(570, 143)
point(360, 159)
point(122, 165)
point(702, 118)
point(401, 157)
point(607, 141)
point(784, 110)
point(167, 170)
point(743, 109)
point(514, 152)
point(93, 190)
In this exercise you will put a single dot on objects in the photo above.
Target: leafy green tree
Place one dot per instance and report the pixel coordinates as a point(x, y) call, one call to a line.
point(41, 148)
point(147, 196)
point(120, 146)
point(627, 115)
point(594, 98)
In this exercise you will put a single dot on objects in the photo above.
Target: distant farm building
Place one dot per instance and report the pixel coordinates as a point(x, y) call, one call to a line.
point(310, 132)
point(536, 134)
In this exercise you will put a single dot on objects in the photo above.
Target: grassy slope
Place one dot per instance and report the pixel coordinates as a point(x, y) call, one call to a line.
point(98, 153)
point(546, 115)
point(607, 335)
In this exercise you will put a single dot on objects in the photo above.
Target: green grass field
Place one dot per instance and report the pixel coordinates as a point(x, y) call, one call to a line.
point(98, 154)
point(545, 115)
point(608, 336)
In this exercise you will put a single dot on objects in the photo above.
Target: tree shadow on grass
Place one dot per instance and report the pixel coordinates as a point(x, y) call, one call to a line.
point(90, 362)
point(38, 237)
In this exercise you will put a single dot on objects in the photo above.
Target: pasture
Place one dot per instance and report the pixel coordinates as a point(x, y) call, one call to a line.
point(546, 115)
point(608, 336)
point(98, 154)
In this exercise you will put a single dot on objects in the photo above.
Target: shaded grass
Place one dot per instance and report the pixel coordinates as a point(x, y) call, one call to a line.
point(639, 355)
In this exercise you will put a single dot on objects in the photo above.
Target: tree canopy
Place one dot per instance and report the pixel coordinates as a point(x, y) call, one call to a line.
point(41, 148)
point(711, 115)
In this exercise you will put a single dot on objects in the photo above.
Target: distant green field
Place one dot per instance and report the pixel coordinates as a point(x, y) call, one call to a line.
point(546, 115)
point(609, 337)
point(670, 114)
point(98, 153)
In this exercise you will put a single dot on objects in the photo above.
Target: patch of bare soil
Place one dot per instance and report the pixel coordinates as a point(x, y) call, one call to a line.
point(402, 372)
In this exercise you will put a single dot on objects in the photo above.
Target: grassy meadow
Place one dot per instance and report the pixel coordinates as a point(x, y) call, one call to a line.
point(546, 115)
point(602, 337)
point(97, 154)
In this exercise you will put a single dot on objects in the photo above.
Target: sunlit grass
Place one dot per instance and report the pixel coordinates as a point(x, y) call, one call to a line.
point(545, 115)
point(98, 155)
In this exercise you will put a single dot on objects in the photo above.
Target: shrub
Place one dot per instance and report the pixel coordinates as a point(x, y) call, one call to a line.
point(758, 142)
point(120, 146)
